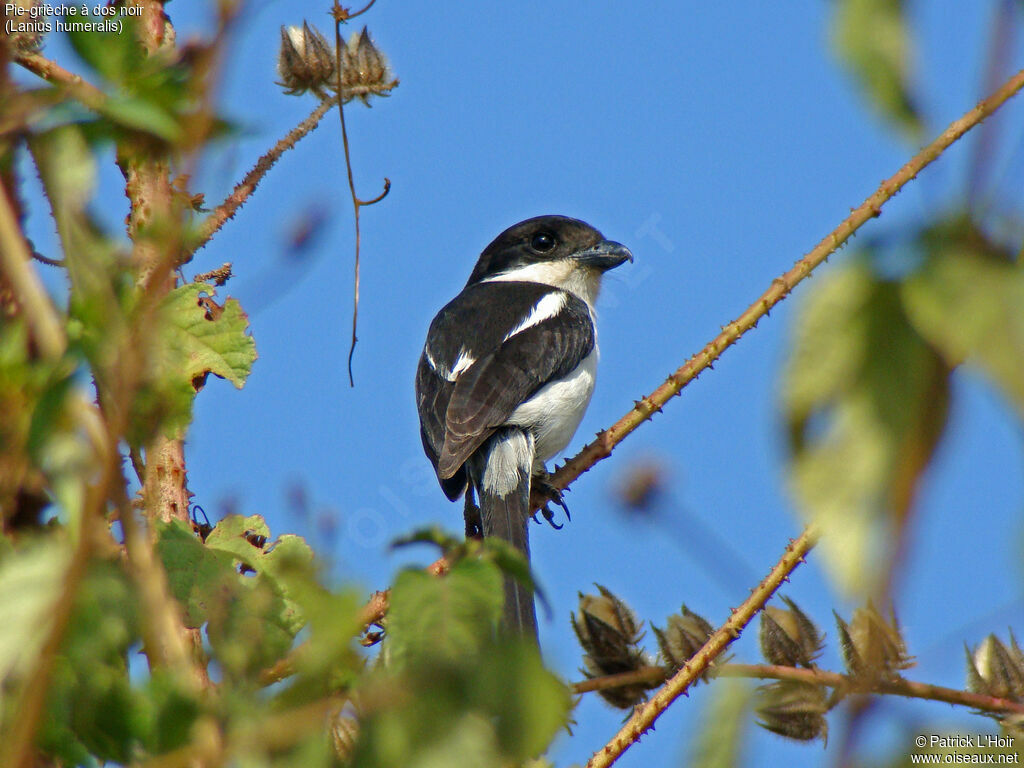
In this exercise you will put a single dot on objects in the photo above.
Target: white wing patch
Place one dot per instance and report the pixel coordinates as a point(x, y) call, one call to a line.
point(462, 362)
point(440, 370)
point(549, 306)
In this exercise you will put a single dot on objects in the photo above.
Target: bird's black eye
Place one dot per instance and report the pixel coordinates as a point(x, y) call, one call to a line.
point(543, 242)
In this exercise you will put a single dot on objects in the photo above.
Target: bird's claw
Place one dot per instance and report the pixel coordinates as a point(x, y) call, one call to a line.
point(553, 495)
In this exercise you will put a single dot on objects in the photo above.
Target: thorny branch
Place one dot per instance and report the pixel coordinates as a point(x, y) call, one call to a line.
point(643, 716)
point(646, 407)
point(240, 194)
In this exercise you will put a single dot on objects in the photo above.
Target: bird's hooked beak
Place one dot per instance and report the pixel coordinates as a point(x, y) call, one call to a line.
point(606, 255)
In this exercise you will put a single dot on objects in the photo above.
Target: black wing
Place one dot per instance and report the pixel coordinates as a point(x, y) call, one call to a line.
point(432, 395)
point(457, 416)
point(487, 393)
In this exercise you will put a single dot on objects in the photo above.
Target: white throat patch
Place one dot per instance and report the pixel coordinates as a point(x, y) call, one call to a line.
point(567, 274)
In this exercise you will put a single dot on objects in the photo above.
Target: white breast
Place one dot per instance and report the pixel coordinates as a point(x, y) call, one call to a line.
point(555, 411)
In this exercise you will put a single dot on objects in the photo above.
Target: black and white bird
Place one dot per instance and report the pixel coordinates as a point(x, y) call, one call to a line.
point(507, 371)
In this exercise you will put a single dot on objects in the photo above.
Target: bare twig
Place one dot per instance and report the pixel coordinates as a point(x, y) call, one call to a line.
point(643, 716)
point(82, 90)
point(341, 15)
point(899, 687)
point(240, 194)
point(16, 266)
point(781, 286)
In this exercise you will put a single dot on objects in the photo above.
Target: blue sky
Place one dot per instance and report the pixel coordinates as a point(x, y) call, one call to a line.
point(720, 142)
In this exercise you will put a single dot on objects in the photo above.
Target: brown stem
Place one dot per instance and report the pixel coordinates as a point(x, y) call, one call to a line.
point(643, 716)
point(82, 90)
point(899, 687)
point(16, 268)
point(240, 194)
point(340, 16)
point(781, 286)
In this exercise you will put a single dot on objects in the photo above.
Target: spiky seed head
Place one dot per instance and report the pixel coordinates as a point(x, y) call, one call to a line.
point(305, 61)
point(794, 709)
point(995, 670)
point(788, 637)
point(871, 646)
point(685, 634)
point(610, 633)
point(364, 69)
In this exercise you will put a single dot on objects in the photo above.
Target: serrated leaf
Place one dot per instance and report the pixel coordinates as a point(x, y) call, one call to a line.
point(198, 340)
point(196, 574)
point(873, 40)
point(969, 303)
point(251, 619)
point(866, 399)
point(444, 617)
point(272, 561)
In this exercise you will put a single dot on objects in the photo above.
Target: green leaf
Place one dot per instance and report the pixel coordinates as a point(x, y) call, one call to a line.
point(113, 55)
point(92, 704)
point(450, 617)
point(31, 580)
point(529, 704)
point(67, 167)
point(873, 40)
point(149, 92)
point(251, 618)
point(968, 300)
point(491, 709)
point(429, 535)
point(866, 400)
point(197, 575)
point(143, 115)
point(197, 337)
point(201, 337)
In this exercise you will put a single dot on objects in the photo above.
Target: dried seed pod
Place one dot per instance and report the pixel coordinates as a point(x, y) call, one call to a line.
point(364, 69)
point(794, 709)
point(684, 635)
point(609, 633)
point(995, 670)
point(305, 61)
point(872, 648)
point(788, 637)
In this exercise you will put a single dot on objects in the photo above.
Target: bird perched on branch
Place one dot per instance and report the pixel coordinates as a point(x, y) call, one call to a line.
point(506, 374)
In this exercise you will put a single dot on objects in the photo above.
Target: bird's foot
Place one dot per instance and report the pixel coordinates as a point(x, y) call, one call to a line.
point(552, 496)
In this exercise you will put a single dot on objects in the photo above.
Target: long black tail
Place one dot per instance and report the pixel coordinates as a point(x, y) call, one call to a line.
point(503, 482)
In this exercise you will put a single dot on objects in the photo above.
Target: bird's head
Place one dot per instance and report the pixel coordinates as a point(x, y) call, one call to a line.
point(555, 250)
